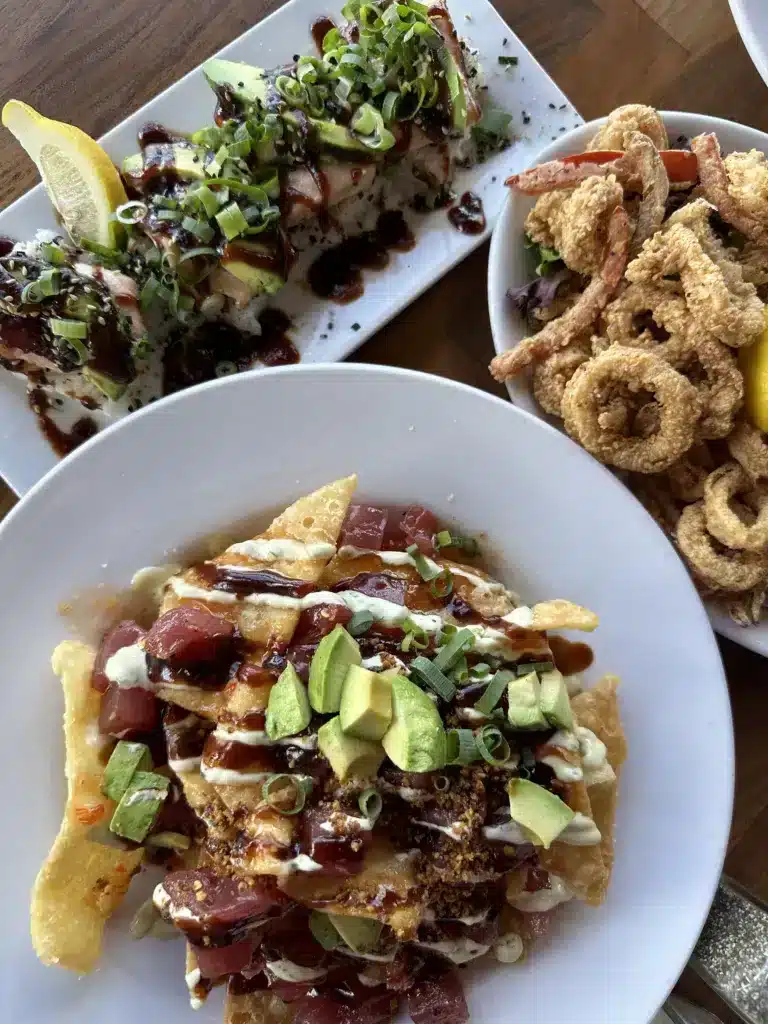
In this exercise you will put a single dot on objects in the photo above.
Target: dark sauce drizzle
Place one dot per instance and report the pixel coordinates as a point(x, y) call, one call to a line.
point(468, 215)
point(62, 441)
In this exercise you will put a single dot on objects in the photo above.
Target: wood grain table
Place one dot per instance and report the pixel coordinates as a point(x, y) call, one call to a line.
point(91, 62)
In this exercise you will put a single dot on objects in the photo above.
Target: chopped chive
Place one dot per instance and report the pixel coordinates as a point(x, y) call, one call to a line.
point(415, 637)
point(208, 199)
point(509, 61)
point(360, 623)
point(494, 691)
point(68, 329)
point(191, 254)
point(461, 747)
point(443, 539)
point(323, 931)
point(49, 281)
point(427, 569)
point(225, 368)
point(150, 293)
point(428, 673)
point(169, 215)
point(53, 254)
point(199, 228)
point(132, 212)
point(370, 803)
point(169, 841)
point(451, 652)
point(493, 745)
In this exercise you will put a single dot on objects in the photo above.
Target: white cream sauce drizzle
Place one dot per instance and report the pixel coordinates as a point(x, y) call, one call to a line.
point(185, 764)
point(274, 549)
point(127, 668)
point(460, 951)
point(259, 738)
point(400, 558)
point(564, 770)
point(580, 831)
point(456, 830)
point(543, 899)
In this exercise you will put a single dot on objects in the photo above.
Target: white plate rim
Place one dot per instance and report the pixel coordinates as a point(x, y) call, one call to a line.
point(755, 48)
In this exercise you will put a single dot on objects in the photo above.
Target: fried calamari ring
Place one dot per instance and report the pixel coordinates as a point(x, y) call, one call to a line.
point(551, 376)
point(747, 609)
point(723, 521)
point(655, 188)
point(749, 447)
point(644, 315)
point(594, 385)
point(713, 177)
point(712, 369)
point(623, 122)
point(732, 571)
point(579, 318)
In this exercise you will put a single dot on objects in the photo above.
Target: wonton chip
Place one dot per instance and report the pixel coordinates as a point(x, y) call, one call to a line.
point(582, 867)
point(81, 882)
point(255, 1008)
point(560, 614)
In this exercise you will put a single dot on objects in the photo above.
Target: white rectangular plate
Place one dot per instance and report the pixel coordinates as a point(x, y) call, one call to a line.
point(525, 91)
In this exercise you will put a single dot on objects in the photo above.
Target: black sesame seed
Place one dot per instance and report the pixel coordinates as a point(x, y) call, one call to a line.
point(552, 106)
point(355, 327)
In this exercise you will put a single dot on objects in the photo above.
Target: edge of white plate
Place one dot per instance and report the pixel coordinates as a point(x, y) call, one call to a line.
point(749, 37)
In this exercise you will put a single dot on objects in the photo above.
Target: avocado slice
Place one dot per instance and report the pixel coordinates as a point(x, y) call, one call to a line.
point(333, 657)
point(247, 83)
point(258, 280)
point(139, 806)
point(541, 813)
point(366, 703)
point(327, 132)
point(348, 755)
point(186, 161)
point(361, 934)
point(288, 710)
point(454, 78)
point(113, 389)
point(415, 741)
point(126, 759)
point(555, 705)
point(524, 711)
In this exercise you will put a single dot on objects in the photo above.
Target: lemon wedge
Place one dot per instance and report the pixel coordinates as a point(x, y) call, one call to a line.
point(754, 366)
point(81, 180)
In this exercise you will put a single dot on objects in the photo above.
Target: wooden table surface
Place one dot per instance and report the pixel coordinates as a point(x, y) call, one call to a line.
point(90, 63)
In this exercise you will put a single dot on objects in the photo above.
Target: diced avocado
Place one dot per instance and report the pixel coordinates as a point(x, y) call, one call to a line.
point(139, 806)
point(361, 934)
point(288, 710)
point(540, 812)
point(113, 389)
point(333, 657)
point(415, 741)
point(328, 133)
point(258, 280)
point(186, 161)
point(524, 710)
point(126, 759)
point(133, 165)
point(366, 703)
point(555, 705)
point(348, 755)
point(247, 83)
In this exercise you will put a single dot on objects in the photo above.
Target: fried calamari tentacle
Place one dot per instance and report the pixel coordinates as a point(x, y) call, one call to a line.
point(644, 315)
point(623, 122)
point(719, 567)
point(714, 184)
point(747, 609)
point(580, 317)
point(576, 223)
point(733, 317)
point(753, 260)
point(655, 188)
point(551, 376)
point(749, 446)
point(721, 489)
point(631, 372)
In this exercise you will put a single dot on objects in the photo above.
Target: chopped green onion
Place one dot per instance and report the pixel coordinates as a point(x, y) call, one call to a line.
point(360, 623)
point(534, 666)
point(427, 569)
point(446, 539)
point(231, 221)
point(415, 637)
point(208, 199)
point(31, 293)
point(509, 61)
point(132, 212)
point(443, 539)
point(480, 670)
point(461, 747)
point(225, 368)
point(289, 786)
point(427, 672)
point(169, 215)
point(494, 691)
point(442, 585)
point(460, 642)
point(102, 251)
point(255, 192)
point(192, 254)
point(199, 228)
point(68, 329)
point(169, 841)
point(150, 293)
point(168, 202)
point(323, 931)
point(370, 803)
point(493, 745)
point(53, 253)
point(460, 671)
point(49, 281)
point(390, 105)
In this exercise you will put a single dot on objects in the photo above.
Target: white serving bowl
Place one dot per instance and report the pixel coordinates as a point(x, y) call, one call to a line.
point(557, 523)
point(751, 17)
point(510, 265)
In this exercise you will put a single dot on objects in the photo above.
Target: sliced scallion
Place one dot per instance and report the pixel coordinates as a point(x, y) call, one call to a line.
point(208, 199)
point(199, 228)
point(510, 62)
point(415, 637)
point(149, 294)
point(442, 585)
point(49, 281)
point(167, 202)
point(169, 841)
point(192, 254)
point(231, 221)
point(493, 745)
point(132, 212)
point(427, 672)
point(450, 653)
point(168, 215)
point(427, 569)
point(69, 329)
point(446, 539)
point(31, 293)
point(360, 623)
point(53, 253)
point(494, 691)
point(323, 931)
point(461, 747)
point(534, 666)
point(370, 803)
point(286, 794)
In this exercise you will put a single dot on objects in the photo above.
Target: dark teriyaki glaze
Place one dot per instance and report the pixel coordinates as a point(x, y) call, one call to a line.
point(337, 273)
point(468, 215)
point(62, 441)
point(153, 133)
point(320, 29)
point(243, 580)
point(570, 656)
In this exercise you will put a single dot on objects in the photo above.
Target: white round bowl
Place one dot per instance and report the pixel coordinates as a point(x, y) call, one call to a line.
point(751, 17)
point(558, 525)
point(510, 265)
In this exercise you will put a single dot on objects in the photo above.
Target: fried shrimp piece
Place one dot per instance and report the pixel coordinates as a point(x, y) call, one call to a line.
point(713, 177)
point(721, 489)
point(580, 317)
point(576, 223)
point(749, 446)
point(625, 121)
point(559, 175)
point(720, 568)
point(655, 188)
point(631, 372)
point(748, 183)
point(551, 376)
point(735, 318)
